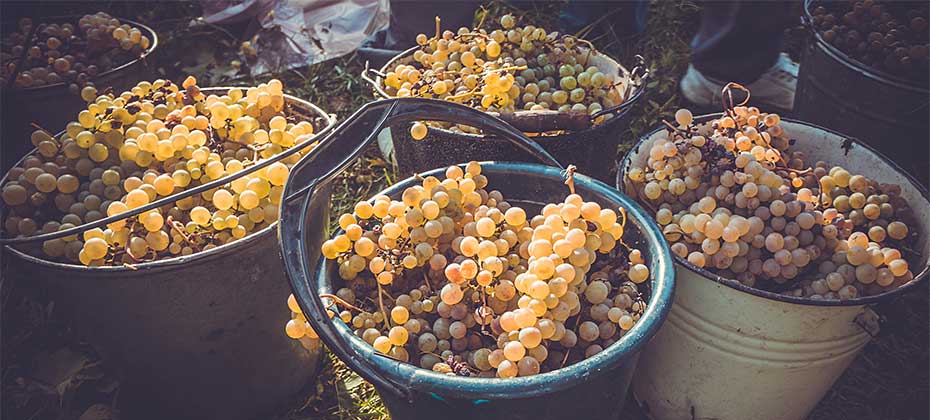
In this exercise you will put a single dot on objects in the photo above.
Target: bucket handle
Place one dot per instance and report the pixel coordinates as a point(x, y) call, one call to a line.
point(374, 84)
point(869, 321)
point(642, 71)
point(264, 163)
point(300, 244)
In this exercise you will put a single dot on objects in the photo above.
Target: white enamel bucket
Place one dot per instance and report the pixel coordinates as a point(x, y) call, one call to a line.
point(729, 352)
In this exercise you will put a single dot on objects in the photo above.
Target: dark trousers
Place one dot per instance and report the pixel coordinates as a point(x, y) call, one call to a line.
point(737, 40)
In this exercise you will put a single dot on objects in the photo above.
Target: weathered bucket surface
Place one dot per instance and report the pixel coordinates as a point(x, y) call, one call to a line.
point(887, 112)
point(52, 106)
point(730, 352)
point(593, 150)
point(193, 337)
point(593, 388)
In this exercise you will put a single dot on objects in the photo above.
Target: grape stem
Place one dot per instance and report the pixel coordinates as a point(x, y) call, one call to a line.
point(569, 351)
point(484, 14)
point(570, 178)
point(39, 127)
point(183, 234)
point(673, 128)
point(727, 94)
point(339, 300)
point(796, 171)
point(426, 280)
point(387, 320)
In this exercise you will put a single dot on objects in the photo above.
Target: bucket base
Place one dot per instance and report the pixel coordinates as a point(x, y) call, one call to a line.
point(604, 397)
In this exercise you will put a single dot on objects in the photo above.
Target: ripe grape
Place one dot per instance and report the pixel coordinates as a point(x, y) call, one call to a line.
point(738, 207)
point(71, 53)
point(505, 69)
point(439, 270)
point(147, 143)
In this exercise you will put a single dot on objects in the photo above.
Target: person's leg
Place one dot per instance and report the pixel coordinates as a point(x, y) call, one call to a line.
point(410, 18)
point(621, 18)
point(741, 41)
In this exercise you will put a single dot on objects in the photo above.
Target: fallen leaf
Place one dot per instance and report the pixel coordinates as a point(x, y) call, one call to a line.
point(56, 368)
point(99, 412)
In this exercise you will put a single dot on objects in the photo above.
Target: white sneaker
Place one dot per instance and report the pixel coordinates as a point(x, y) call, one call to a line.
point(775, 87)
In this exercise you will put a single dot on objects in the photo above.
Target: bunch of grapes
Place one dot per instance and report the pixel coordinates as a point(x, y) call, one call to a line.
point(505, 70)
point(734, 199)
point(68, 52)
point(155, 140)
point(453, 278)
point(889, 36)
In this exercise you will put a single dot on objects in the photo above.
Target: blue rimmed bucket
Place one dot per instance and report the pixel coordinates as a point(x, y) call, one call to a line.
point(593, 388)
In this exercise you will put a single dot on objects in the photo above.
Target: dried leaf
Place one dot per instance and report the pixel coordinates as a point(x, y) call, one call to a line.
point(99, 412)
point(56, 368)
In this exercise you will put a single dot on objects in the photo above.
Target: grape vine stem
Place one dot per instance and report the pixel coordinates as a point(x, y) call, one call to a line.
point(426, 280)
point(570, 177)
point(387, 320)
point(39, 127)
point(183, 234)
point(673, 128)
point(339, 300)
point(569, 351)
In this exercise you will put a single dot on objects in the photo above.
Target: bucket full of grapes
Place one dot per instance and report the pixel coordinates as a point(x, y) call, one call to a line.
point(881, 48)
point(52, 60)
point(156, 236)
point(572, 98)
point(486, 290)
point(784, 235)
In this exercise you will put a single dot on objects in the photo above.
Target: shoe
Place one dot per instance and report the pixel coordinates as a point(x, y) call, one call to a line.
point(774, 88)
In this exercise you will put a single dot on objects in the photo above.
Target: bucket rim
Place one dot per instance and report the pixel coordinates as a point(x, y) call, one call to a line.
point(636, 93)
point(919, 277)
point(435, 384)
point(166, 263)
point(860, 67)
point(145, 54)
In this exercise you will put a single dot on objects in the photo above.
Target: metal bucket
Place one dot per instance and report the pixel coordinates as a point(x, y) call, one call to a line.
point(887, 112)
point(52, 106)
point(593, 388)
point(593, 148)
point(194, 337)
point(730, 352)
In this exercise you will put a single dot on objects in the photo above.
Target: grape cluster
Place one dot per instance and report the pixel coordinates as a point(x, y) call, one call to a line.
point(72, 53)
point(889, 36)
point(505, 70)
point(453, 278)
point(155, 140)
point(733, 198)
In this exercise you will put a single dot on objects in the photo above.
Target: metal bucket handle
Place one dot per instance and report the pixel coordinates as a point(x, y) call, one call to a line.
point(374, 84)
point(341, 147)
point(330, 124)
point(640, 89)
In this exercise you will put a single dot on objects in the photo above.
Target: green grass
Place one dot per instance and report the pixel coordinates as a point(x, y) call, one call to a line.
point(888, 381)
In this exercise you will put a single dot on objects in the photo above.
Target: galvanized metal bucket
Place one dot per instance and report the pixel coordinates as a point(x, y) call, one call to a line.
point(194, 337)
point(593, 148)
point(52, 106)
point(593, 388)
point(885, 111)
point(731, 352)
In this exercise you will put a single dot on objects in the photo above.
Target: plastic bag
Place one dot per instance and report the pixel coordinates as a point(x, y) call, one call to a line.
point(294, 33)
